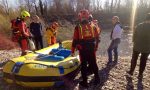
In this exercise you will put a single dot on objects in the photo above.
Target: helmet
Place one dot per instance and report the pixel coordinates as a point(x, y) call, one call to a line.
point(25, 14)
point(54, 25)
point(83, 15)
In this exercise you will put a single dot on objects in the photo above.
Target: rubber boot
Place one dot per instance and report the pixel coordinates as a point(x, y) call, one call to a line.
point(84, 84)
point(97, 80)
point(23, 53)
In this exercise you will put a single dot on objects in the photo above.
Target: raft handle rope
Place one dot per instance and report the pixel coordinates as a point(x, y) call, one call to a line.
point(51, 66)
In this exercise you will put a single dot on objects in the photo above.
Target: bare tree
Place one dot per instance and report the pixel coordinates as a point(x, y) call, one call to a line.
point(118, 6)
point(128, 4)
point(45, 8)
point(6, 6)
point(28, 5)
point(106, 6)
point(111, 7)
point(34, 2)
point(41, 7)
point(83, 4)
point(72, 5)
point(99, 4)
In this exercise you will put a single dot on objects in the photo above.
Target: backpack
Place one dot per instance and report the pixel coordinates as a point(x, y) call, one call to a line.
point(31, 45)
point(15, 29)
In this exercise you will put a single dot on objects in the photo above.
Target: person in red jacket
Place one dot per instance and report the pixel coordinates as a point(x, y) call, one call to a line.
point(23, 40)
point(21, 31)
point(86, 39)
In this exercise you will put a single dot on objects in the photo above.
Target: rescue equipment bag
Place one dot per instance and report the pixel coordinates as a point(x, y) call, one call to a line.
point(31, 45)
point(15, 29)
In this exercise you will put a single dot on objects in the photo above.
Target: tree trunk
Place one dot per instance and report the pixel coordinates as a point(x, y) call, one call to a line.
point(5, 4)
point(111, 7)
point(41, 7)
point(118, 6)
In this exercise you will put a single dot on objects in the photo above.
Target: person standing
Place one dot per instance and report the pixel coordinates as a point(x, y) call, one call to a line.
point(51, 33)
point(86, 40)
point(115, 39)
point(94, 22)
point(141, 45)
point(21, 31)
point(36, 30)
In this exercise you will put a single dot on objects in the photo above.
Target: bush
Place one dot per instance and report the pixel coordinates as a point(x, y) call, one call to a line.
point(5, 24)
point(6, 43)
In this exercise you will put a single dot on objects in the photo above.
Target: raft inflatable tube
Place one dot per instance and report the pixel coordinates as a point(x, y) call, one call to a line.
point(39, 69)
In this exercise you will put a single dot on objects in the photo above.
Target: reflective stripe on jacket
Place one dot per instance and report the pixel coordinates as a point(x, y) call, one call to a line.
point(83, 35)
point(86, 32)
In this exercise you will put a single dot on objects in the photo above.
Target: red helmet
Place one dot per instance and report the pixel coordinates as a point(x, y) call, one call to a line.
point(55, 25)
point(83, 15)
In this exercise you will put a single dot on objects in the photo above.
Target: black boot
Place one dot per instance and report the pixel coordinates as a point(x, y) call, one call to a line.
point(140, 76)
point(130, 72)
point(84, 84)
point(97, 80)
point(89, 71)
point(23, 53)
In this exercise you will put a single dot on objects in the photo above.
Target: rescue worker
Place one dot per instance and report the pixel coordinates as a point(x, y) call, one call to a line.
point(86, 40)
point(21, 30)
point(51, 33)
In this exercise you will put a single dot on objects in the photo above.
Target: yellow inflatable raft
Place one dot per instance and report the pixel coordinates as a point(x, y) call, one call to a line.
point(39, 69)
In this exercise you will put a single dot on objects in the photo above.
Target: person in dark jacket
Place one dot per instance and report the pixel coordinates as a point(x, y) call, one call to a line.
point(141, 45)
point(36, 30)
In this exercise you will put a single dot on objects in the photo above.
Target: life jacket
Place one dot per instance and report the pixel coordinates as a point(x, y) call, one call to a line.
point(95, 23)
point(16, 33)
point(87, 37)
point(86, 32)
point(51, 31)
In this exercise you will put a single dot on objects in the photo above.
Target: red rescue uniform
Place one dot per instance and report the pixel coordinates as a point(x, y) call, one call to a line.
point(51, 33)
point(86, 39)
point(23, 39)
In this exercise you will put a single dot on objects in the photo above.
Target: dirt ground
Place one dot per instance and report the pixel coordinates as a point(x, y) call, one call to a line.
point(113, 77)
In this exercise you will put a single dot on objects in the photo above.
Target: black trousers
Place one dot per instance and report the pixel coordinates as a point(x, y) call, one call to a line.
point(88, 57)
point(143, 60)
point(38, 42)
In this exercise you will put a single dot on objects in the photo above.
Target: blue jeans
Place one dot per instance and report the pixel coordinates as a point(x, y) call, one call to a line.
point(113, 47)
